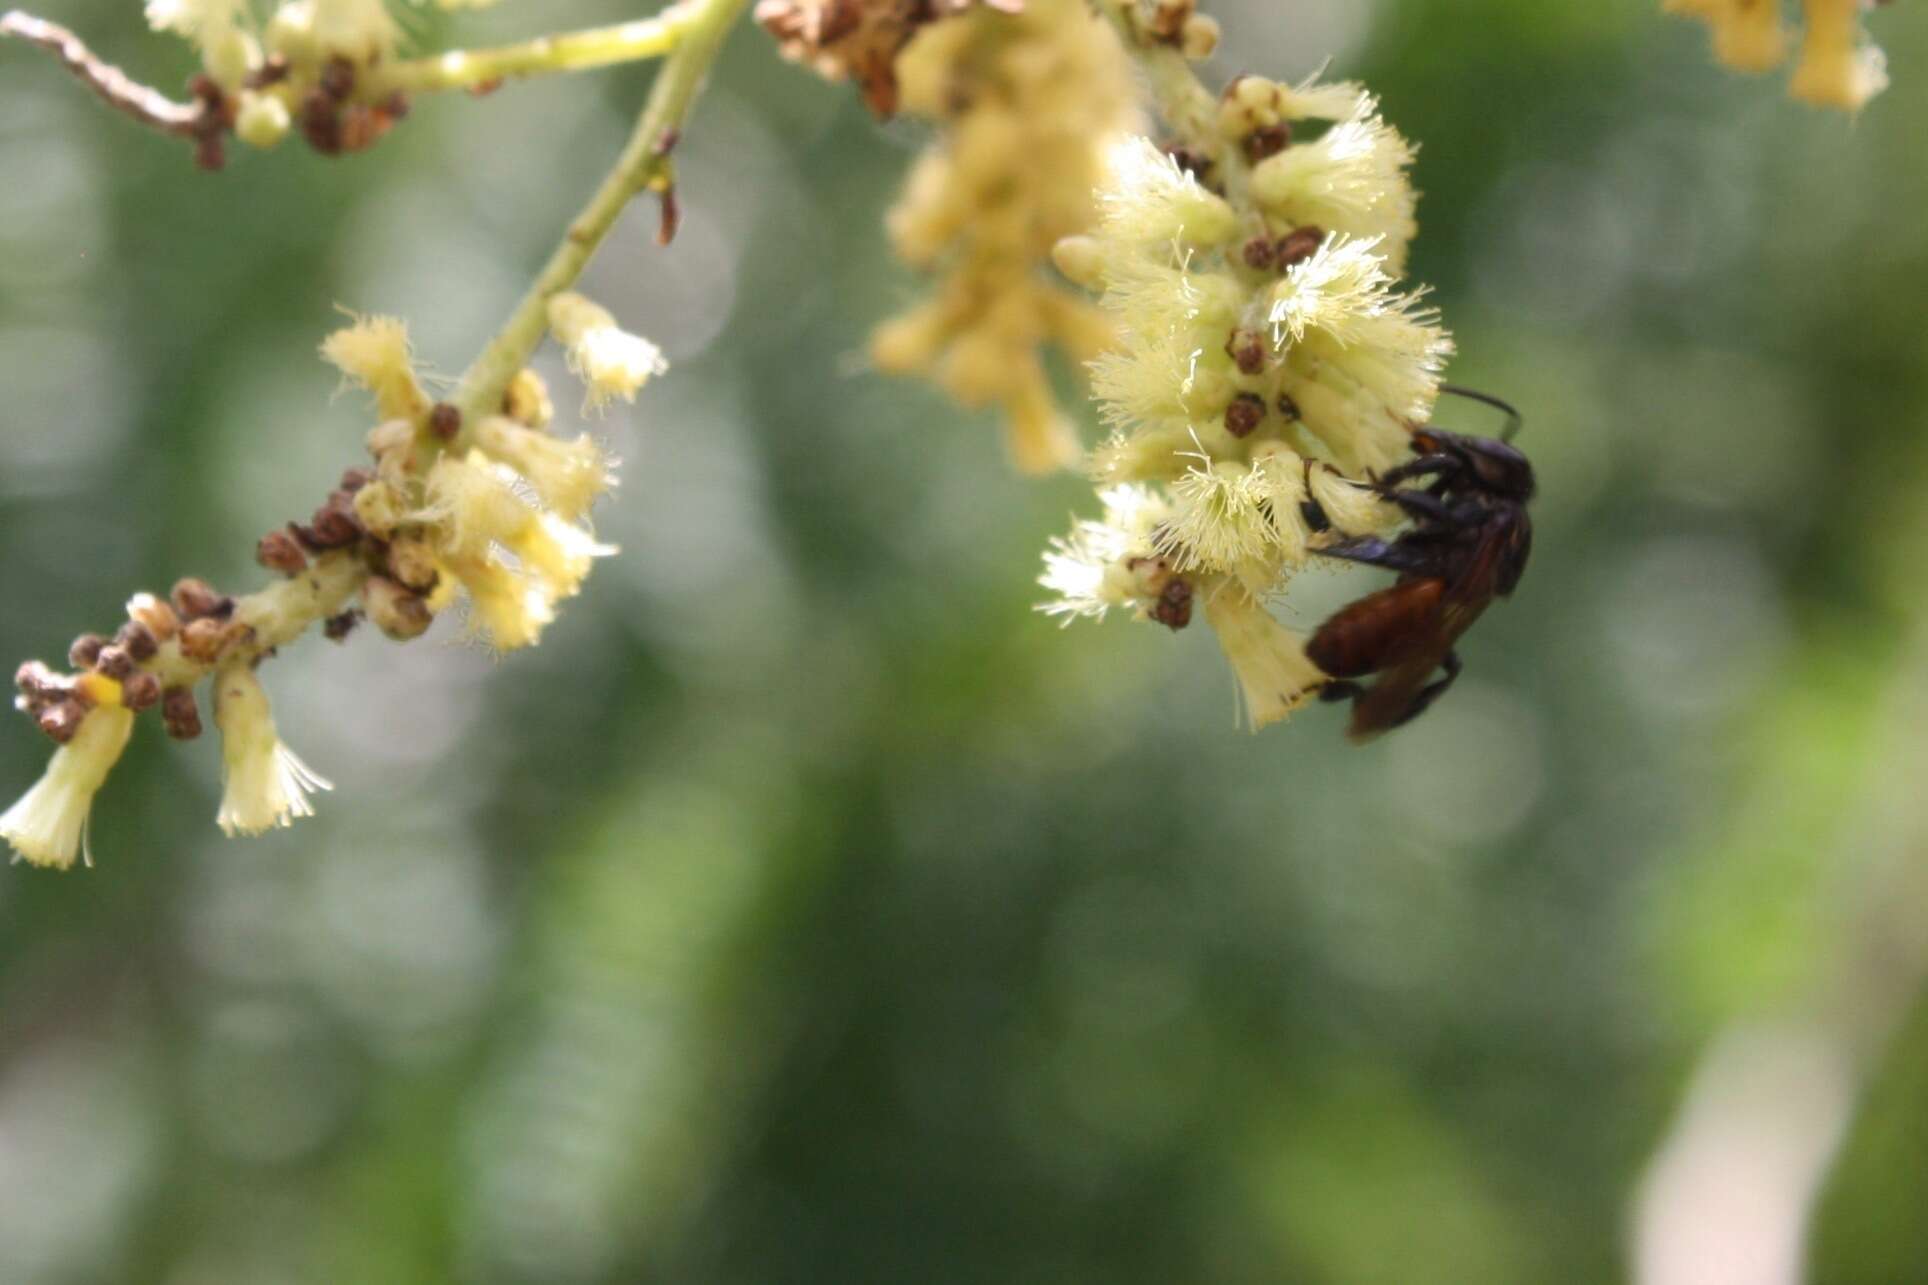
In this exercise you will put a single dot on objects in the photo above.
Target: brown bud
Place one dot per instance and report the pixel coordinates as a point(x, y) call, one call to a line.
point(158, 616)
point(141, 691)
point(444, 421)
point(1245, 414)
point(273, 70)
point(61, 720)
point(195, 599)
point(1288, 407)
point(84, 651)
point(280, 551)
point(1260, 252)
point(337, 628)
point(1268, 140)
point(1174, 606)
point(203, 639)
point(40, 685)
point(396, 612)
point(137, 640)
point(337, 78)
point(334, 524)
point(180, 713)
point(355, 479)
point(1300, 244)
point(1247, 348)
point(114, 662)
point(319, 120)
point(412, 564)
point(363, 126)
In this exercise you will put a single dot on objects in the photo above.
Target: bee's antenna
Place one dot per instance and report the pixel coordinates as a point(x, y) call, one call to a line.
point(1514, 420)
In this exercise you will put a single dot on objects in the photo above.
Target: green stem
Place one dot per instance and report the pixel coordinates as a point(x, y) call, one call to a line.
point(570, 51)
point(644, 163)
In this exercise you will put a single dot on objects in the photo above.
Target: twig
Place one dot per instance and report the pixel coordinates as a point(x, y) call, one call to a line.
point(643, 165)
point(481, 69)
point(147, 105)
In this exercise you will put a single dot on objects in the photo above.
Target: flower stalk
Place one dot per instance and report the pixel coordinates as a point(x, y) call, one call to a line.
point(482, 70)
point(644, 165)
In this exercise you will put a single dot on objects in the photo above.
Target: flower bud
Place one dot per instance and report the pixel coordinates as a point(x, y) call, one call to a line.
point(137, 640)
point(39, 685)
point(158, 616)
point(203, 641)
point(84, 651)
point(396, 612)
point(379, 509)
point(61, 720)
point(526, 401)
point(141, 691)
point(262, 120)
point(412, 563)
point(196, 599)
point(180, 714)
point(280, 551)
point(114, 662)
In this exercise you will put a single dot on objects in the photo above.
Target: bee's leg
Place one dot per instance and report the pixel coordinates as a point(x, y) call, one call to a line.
point(1393, 555)
point(1419, 466)
point(1428, 508)
point(1340, 689)
point(1431, 691)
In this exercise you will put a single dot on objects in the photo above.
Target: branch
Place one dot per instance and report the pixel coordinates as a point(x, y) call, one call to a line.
point(147, 105)
point(644, 164)
point(484, 69)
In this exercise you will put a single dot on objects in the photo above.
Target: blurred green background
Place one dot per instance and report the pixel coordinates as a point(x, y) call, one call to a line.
point(806, 908)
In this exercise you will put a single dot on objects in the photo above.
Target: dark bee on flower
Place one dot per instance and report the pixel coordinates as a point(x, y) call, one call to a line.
point(1467, 545)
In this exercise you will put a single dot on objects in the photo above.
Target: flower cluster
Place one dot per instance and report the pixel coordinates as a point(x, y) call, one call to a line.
point(1028, 102)
point(1839, 65)
point(491, 513)
point(299, 70)
point(1267, 365)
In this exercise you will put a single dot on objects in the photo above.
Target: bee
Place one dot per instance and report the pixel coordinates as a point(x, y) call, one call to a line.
point(1467, 545)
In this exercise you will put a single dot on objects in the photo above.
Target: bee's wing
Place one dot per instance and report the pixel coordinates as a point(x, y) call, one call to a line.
point(1378, 630)
point(1389, 702)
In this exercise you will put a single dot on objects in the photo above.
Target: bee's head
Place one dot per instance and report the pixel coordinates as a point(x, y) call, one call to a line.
point(1494, 466)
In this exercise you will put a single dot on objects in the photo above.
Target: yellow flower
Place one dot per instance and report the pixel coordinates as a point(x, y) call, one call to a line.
point(48, 826)
point(609, 360)
point(266, 785)
point(373, 353)
point(1268, 659)
point(568, 475)
point(1839, 66)
point(1029, 101)
point(1267, 363)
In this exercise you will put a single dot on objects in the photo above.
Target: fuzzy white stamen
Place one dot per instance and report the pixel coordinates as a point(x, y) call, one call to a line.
point(1352, 179)
point(1085, 569)
point(48, 826)
point(266, 785)
point(1147, 197)
point(568, 475)
point(610, 361)
point(1274, 675)
point(373, 353)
